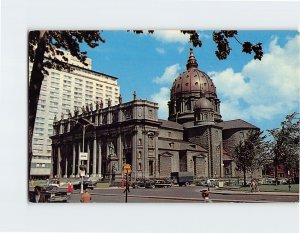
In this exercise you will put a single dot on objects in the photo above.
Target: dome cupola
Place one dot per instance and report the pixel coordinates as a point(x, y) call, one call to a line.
point(203, 111)
point(186, 91)
point(203, 103)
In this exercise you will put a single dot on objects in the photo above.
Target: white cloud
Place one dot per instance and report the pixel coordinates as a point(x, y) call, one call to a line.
point(263, 89)
point(170, 36)
point(160, 50)
point(170, 73)
point(162, 98)
point(180, 49)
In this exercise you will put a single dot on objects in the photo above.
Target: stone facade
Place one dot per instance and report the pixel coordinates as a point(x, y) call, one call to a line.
point(193, 139)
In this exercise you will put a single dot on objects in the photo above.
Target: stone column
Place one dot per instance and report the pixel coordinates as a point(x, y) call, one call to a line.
point(73, 161)
point(88, 159)
point(99, 159)
point(94, 157)
point(66, 161)
point(96, 117)
point(108, 116)
point(52, 163)
point(156, 172)
point(58, 162)
point(79, 150)
point(134, 146)
point(145, 156)
point(100, 118)
point(120, 151)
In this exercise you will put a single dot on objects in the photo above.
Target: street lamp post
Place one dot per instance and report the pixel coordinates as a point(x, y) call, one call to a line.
point(81, 161)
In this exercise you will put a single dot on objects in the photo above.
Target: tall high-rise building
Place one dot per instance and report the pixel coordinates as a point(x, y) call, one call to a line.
point(62, 92)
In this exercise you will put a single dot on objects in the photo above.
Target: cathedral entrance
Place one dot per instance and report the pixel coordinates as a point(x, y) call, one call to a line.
point(128, 158)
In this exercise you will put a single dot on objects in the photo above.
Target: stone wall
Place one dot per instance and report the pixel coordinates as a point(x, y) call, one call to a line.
point(231, 139)
point(210, 138)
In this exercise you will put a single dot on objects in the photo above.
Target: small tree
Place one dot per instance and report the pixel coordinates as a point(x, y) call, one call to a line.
point(251, 153)
point(285, 144)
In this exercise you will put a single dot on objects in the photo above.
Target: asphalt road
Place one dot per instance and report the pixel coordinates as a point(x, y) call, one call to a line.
point(190, 194)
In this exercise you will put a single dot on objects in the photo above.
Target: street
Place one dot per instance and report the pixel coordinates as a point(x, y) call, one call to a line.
point(190, 194)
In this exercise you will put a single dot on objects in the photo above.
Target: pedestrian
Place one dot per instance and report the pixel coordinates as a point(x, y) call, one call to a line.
point(38, 196)
point(253, 185)
point(32, 183)
point(256, 186)
point(70, 188)
point(205, 195)
point(126, 187)
point(86, 197)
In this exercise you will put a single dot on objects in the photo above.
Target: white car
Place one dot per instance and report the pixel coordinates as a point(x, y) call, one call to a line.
point(53, 182)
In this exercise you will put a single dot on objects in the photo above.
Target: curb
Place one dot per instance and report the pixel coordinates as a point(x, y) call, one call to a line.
point(255, 193)
point(200, 200)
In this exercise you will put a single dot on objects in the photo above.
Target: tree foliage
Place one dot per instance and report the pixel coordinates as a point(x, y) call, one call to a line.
point(285, 144)
point(59, 41)
point(221, 38)
point(252, 153)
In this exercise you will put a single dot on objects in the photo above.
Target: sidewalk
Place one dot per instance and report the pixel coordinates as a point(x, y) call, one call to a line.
point(231, 192)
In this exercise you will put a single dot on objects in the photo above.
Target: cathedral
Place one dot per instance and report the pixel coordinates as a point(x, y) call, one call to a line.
point(193, 139)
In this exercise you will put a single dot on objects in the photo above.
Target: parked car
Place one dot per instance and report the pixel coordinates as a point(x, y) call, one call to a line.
point(163, 183)
point(149, 183)
point(53, 182)
point(138, 184)
point(212, 182)
point(87, 184)
point(283, 181)
point(49, 194)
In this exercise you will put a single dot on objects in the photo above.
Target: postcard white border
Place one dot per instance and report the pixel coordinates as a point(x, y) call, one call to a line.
point(17, 17)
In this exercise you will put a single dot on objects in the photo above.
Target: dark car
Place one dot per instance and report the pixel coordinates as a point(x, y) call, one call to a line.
point(163, 183)
point(87, 184)
point(149, 184)
point(138, 184)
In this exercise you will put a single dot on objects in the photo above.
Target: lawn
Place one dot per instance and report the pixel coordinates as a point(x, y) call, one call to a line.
point(271, 188)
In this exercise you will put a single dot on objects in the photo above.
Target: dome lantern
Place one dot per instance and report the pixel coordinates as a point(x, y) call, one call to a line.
point(192, 62)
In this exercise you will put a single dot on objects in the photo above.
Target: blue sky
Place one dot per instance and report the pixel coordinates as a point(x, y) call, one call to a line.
point(260, 92)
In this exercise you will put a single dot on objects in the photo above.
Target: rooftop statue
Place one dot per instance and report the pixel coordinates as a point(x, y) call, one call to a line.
point(83, 109)
point(97, 104)
point(69, 113)
point(120, 99)
point(101, 104)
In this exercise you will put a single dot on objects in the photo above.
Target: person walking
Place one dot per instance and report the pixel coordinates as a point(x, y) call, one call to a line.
point(253, 185)
point(86, 197)
point(205, 195)
point(70, 188)
point(256, 185)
